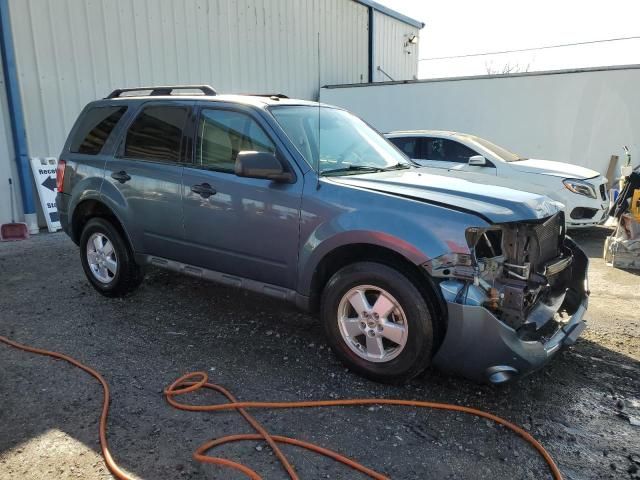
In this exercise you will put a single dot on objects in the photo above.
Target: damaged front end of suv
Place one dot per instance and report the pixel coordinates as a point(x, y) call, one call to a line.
point(514, 298)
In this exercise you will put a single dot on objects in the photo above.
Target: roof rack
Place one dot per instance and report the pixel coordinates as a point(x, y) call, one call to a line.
point(163, 90)
point(274, 96)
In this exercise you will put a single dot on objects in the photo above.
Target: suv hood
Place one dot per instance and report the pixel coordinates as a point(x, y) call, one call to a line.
point(555, 169)
point(492, 203)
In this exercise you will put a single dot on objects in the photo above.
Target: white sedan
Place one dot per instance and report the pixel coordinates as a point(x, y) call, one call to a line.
point(582, 191)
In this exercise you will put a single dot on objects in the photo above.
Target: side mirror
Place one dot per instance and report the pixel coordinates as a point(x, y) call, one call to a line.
point(264, 165)
point(478, 161)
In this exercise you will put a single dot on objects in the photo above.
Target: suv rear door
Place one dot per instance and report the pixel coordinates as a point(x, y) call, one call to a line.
point(240, 226)
point(144, 177)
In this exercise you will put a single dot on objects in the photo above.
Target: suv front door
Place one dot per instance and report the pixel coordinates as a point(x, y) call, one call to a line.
point(245, 227)
point(146, 172)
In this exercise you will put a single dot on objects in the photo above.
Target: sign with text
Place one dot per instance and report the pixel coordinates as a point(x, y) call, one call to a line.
point(44, 173)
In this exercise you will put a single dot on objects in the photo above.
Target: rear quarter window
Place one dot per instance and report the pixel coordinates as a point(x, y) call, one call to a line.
point(95, 127)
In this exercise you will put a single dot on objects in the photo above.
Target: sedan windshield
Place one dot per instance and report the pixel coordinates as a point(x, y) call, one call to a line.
point(335, 142)
point(503, 153)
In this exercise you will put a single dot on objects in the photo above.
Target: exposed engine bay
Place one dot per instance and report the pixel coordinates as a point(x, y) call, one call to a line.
point(519, 271)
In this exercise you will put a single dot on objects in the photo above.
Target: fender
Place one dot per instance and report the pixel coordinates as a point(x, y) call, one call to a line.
point(113, 199)
point(98, 199)
point(406, 235)
point(87, 189)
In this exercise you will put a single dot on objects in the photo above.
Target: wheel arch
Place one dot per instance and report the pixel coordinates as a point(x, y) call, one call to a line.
point(346, 254)
point(94, 208)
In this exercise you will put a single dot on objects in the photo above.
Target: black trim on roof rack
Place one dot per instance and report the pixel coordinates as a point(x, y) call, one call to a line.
point(270, 95)
point(163, 90)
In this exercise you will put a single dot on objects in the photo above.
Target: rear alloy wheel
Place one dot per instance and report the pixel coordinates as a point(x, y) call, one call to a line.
point(107, 259)
point(101, 257)
point(377, 322)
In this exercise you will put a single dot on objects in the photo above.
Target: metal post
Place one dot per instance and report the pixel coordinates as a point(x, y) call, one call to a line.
point(17, 118)
point(371, 42)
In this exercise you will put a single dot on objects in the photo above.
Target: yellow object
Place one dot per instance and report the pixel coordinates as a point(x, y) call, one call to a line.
point(635, 205)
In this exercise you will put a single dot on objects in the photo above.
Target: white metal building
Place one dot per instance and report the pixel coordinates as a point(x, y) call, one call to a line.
point(578, 116)
point(60, 54)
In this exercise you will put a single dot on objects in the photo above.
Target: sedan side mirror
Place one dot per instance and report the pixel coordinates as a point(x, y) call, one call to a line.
point(478, 161)
point(251, 164)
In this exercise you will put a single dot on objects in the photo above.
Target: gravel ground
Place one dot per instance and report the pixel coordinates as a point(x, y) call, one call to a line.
point(263, 349)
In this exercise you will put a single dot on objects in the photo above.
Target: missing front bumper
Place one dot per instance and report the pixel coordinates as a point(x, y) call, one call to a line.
point(480, 347)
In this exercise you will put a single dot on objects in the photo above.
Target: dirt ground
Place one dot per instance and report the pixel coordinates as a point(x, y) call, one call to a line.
point(263, 349)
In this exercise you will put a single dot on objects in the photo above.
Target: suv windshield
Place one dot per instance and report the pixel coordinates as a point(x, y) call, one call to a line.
point(347, 145)
point(503, 153)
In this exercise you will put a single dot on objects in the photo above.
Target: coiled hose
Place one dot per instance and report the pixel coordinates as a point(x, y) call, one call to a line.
point(194, 381)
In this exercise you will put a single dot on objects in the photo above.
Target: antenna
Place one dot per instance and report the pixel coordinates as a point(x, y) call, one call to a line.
point(319, 129)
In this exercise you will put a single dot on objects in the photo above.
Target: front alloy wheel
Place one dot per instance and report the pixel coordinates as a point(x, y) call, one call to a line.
point(378, 321)
point(372, 323)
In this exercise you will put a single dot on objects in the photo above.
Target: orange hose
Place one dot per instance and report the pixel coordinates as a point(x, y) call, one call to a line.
point(195, 381)
point(104, 445)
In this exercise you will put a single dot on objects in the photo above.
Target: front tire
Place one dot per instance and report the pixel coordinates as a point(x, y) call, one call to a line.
point(377, 322)
point(108, 260)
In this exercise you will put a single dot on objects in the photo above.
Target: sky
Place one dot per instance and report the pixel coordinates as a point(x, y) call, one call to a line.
point(460, 27)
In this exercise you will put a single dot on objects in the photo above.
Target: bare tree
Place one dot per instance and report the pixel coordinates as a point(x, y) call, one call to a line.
point(506, 68)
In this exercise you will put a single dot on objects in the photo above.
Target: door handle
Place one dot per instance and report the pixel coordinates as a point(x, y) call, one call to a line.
point(121, 176)
point(204, 190)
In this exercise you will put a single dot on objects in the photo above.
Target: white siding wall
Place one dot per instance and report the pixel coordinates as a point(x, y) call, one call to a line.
point(391, 52)
point(579, 117)
point(70, 52)
point(8, 167)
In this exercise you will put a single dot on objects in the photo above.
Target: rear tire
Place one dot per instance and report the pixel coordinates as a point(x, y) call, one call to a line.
point(107, 259)
point(377, 322)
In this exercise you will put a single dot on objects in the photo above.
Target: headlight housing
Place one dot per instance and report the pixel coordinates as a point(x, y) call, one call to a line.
point(580, 187)
point(458, 265)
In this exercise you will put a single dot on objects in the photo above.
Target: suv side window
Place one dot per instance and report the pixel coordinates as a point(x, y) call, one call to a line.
point(95, 128)
point(224, 133)
point(156, 134)
point(447, 150)
point(408, 145)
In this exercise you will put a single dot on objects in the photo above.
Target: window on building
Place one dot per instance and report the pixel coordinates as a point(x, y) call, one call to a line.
point(94, 129)
point(222, 134)
point(156, 134)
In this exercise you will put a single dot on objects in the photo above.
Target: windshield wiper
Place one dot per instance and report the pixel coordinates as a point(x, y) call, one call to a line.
point(352, 168)
point(397, 166)
point(366, 169)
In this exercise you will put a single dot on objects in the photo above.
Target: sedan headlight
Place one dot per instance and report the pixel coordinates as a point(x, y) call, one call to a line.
point(581, 188)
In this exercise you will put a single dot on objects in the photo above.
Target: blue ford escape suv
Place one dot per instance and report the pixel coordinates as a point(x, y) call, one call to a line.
point(307, 203)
